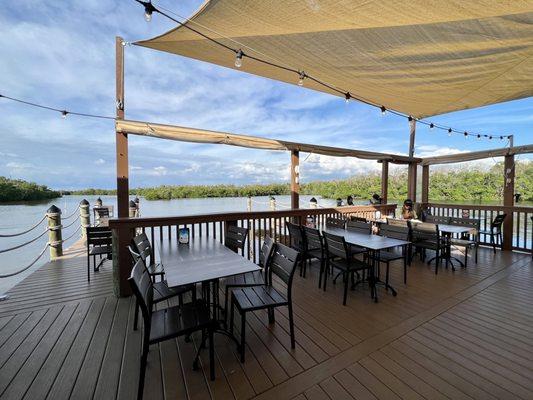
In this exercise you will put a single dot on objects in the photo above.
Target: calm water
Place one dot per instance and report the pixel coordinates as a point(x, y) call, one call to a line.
point(19, 217)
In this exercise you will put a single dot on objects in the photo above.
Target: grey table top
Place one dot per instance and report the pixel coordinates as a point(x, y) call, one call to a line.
point(454, 228)
point(372, 242)
point(203, 259)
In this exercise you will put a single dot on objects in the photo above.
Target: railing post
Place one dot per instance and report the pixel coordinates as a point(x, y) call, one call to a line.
point(272, 203)
point(249, 203)
point(132, 209)
point(384, 181)
point(313, 203)
point(54, 232)
point(508, 201)
point(425, 183)
point(85, 217)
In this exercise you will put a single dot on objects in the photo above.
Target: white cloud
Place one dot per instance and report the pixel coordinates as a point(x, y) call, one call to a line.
point(100, 161)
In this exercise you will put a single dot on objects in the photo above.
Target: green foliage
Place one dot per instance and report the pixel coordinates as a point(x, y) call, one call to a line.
point(19, 190)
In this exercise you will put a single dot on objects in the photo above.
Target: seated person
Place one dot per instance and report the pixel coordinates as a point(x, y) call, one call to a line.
point(349, 200)
point(407, 210)
point(376, 199)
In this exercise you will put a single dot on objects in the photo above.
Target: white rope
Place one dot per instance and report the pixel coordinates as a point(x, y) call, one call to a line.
point(28, 266)
point(26, 231)
point(75, 212)
point(71, 236)
point(24, 244)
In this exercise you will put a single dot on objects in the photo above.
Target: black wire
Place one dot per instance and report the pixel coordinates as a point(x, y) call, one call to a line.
point(64, 112)
point(316, 80)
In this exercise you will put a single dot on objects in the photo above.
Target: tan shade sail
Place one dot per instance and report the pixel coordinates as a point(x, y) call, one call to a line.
point(420, 57)
point(186, 134)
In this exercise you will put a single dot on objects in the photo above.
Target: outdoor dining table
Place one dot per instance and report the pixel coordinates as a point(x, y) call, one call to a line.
point(374, 244)
point(203, 260)
point(447, 232)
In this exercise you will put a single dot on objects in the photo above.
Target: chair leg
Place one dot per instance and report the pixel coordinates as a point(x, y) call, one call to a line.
point(404, 270)
point(226, 306)
point(387, 278)
point(144, 358)
point(466, 256)
point(291, 325)
point(271, 316)
point(231, 315)
point(211, 355)
point(345, 279)
point(477, 248)
point(321, 272)
point(136, 315)
point(492, 243)
point(243, 335)
point(88, 267)
point(326, 272)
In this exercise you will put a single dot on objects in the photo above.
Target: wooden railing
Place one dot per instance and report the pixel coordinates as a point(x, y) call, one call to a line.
point(259, 224)
point(518, 228)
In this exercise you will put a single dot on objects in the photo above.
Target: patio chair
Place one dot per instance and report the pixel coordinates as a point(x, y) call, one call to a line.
point(341, 257)
point(332, 222)
point(437, 219)
point(425, 236)
point(316, 249)
point(142, 246)
point(252, 278)
point(253, 298)
point(235, 238)
point(397, 222)
point(387, 256)
point(356, 218)
point(298, 243)
point(162, 291)
point(359, 226)
point(467, 240)
point(170, 322)
point(101, 215)
point(495, 231)
point(99, 242)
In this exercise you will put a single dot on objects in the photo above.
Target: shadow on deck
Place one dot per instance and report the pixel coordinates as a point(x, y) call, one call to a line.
point(464, 334)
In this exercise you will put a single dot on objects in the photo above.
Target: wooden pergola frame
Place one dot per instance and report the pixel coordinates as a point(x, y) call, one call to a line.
point(196, 135)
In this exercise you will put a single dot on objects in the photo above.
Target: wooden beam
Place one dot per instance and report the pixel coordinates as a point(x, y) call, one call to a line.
point(412, 134)
point(425, 184)
point(508, 200)
point(295, 179)
point(411, 181)
point(121, 238)
point(384, 181)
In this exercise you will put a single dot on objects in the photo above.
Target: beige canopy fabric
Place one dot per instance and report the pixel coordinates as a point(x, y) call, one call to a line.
point(420, 57)
point(185, 134)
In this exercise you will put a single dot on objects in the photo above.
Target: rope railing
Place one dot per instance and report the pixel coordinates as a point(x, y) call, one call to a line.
point(75, 212)
point(24, 232)
point(25, 243)
point(28, 266)
point(73, 233)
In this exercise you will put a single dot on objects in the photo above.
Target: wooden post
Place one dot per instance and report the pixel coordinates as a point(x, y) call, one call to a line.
point(295, 179)
point(425, 184)
point(85, 217)
point(411, 181)
point(132, 209)
point(122, 237)
point(508, 201)
point(54, 232)
point(272, 203)
point(384, 181)
point(249, 203)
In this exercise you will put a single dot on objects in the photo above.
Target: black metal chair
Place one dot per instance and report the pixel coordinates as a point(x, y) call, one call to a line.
point(356, 218)
point(359, 226)
point(437, 219)
point(495, 231)
point(425, 236)
point(251, 278)
point(162, 291)
point(99, 242)
point(253, 298)
point(235, 238)
point(467, 240)
point(101, 214)
point(142, 246)
point(316, 249)
point(168, 323)
point(397, 222)
point(332, 222)
point(341, 257)
point(298, 243)
point(387, 256)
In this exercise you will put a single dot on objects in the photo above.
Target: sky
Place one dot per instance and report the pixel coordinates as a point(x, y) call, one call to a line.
point(62, 54)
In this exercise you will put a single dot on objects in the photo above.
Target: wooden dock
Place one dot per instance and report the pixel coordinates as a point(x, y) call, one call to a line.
point(458, 335)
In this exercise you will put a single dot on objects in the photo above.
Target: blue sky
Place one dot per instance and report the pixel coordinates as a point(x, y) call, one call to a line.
point(61, 54)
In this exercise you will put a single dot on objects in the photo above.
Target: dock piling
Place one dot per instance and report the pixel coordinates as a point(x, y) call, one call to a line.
point(85, 217)
point(54, 232)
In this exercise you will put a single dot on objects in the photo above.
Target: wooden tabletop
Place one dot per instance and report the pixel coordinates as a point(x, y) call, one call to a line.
point(372, 242)
point(203, 259)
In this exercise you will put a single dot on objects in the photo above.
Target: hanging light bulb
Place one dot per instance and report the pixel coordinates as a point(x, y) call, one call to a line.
point(148, 10)
point(501, 137)
point(383, 110)
point(301, 79)
point(64, 114)
point(409, 118)
point(347, 96)
point(490, 137)
point(431, 126)
point(466, 134)
point(238, 58)
point(449, 131)
point(478, 136)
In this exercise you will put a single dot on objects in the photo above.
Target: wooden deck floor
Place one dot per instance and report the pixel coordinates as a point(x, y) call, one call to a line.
point(458, 335)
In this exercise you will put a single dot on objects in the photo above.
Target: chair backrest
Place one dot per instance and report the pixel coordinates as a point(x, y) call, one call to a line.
point(437, 219)
point(336, 246)
point(424, 231)
point(102, 212)
point(313, 238)
point(142, 246)
point(283, 264)
point(498, 221)
point(359, 227)
point(143, 289)
point(468, 222)
point(265, 255)
point(235, 238)
point(296, 237)
point(134, 255)
point(356, 218)
point(397, 222)
point(99, 236)
point(395, 232)
point(335, 222)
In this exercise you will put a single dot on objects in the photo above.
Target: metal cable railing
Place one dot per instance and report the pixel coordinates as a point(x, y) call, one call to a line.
point(26, 231)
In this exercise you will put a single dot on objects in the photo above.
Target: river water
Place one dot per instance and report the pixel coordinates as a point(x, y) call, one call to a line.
point(19, 217)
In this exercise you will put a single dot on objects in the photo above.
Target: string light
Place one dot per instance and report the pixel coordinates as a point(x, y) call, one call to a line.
point(347, 97)
point(238, 63)
point(466, 134)
point(64, 114)
point(301, 78)
point(238, 59)
point(148, 9)
point(478, 136)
